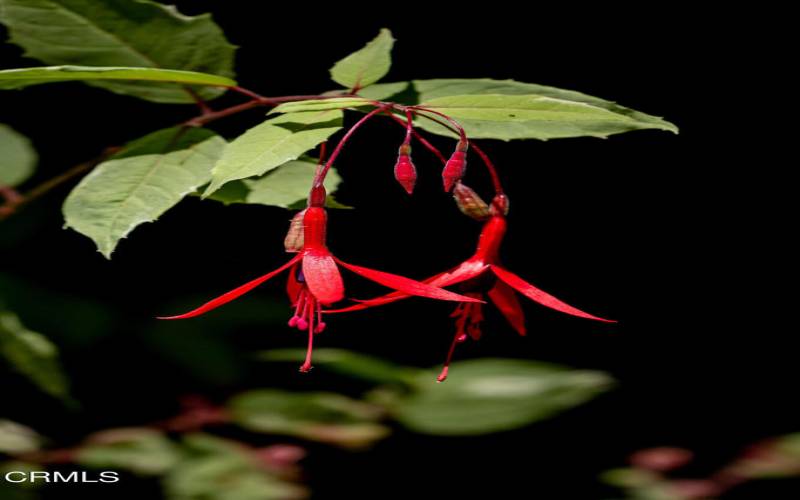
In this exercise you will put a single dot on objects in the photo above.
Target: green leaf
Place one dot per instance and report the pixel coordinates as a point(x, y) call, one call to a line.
point(433, 89)
point(381, 91)
point(147, 178)
point(500, 116)
point(17, 157)
point(271, 144)
point(321, 104)
point(427, 90)
point(142, 451)
point(138, 33)
point(286, 186)
point(18, 78)
point(32, 355)
point(219, 469)
point(490, 395)
point(366, 66)
point(318, 416)
point(348, 363)
point(17, 438)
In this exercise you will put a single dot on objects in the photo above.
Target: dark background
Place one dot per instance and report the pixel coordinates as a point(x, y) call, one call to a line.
point(646, 227)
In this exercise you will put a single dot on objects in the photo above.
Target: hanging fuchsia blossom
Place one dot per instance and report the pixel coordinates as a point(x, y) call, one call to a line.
point(482, 276)
point(315, 281)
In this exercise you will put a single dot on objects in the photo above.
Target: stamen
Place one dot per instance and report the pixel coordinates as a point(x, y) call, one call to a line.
point(320, 324)
point(443, 375)
point(306, 367)
point(468, 324)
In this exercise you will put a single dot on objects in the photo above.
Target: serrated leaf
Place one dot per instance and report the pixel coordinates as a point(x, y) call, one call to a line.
point(24, 77)
point(142, 451)
point(17, 157)
point(367, 65)
point(501, 116)
point(137, 33)
point(317, 416)
point(285, 186)
point(272, 144)
point(427, 90)
point(33, 355)
point(16, 438)
point(321, 104)
point(128, 190)
point(490, 395)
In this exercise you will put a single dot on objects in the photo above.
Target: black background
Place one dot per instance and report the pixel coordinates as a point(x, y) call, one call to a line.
point(646, 227)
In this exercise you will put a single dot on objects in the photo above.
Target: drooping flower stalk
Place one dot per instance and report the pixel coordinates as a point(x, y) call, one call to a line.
point(404, 170)
point(456, 166)
point(319, 177)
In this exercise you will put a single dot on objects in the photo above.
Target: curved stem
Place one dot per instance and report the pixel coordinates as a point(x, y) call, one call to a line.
point(319, 179)
point(498, 185)
point(453, 123)
point(430, 147)
point(409, 126)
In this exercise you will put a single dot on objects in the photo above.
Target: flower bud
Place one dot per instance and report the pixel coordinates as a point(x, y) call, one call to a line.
point(455, 167)
point(499, 205)
point(404, 170)
point(470, 203)
point(293, 242)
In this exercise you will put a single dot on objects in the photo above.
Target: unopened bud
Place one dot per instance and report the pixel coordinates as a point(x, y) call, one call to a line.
point(293, 242)
point(404, 170)
point(455, 167)
point(470, 203)
point(499, 205)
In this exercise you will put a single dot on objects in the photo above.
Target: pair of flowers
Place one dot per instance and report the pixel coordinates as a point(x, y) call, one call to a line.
point(315, 281)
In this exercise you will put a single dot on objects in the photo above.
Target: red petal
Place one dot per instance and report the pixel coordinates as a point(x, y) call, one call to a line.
point(505, 298)
point(467, 270)
point(322, 276)
point(233, 294)
point(540, 296)
point(463, 272)
point(293, 286)
point(406, 285)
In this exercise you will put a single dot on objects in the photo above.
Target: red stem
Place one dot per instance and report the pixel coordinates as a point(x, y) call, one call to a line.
point(319, 179)
point(430, 147)
point(409, 126)
point(498, 186)
point(454, 123)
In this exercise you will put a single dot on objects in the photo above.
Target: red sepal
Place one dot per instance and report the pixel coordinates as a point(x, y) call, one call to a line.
point(406, 285)
point(233, 294)
point(505, 299)
point(541, 296)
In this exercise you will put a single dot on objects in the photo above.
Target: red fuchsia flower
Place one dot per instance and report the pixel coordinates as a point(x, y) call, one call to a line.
point(482, 276)
point(314, 278)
